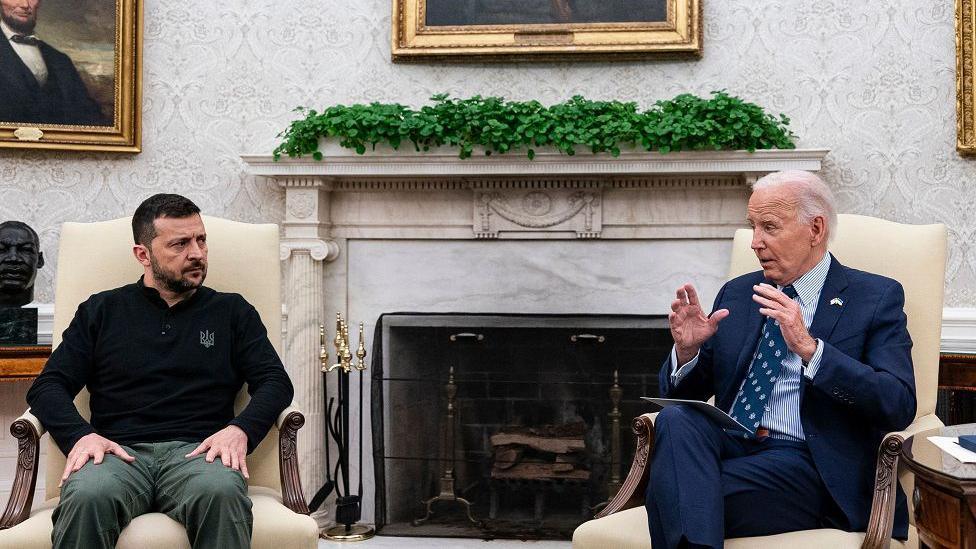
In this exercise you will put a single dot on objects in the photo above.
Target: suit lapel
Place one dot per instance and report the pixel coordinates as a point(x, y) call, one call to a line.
point(827, 315)
point(13, 69)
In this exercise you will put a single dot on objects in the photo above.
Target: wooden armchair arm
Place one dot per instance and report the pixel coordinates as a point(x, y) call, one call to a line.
point(289, 422)
point(27, 430)
point(631, 493)
point(878, 535)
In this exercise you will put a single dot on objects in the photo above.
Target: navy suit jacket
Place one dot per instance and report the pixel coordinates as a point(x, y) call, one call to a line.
point(63, 99)
point(864, 388)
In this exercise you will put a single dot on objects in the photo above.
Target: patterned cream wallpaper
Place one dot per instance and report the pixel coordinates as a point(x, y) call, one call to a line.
point(872, 81)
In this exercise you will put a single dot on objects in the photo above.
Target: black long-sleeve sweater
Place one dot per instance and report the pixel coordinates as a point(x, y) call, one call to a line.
point(159, 373)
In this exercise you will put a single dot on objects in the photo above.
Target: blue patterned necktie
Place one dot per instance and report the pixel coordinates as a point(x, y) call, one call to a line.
point(752, 400)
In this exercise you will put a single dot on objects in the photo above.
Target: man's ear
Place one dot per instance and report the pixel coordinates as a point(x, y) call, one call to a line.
point(818, 231)
point(40, 259)
point(142, 254)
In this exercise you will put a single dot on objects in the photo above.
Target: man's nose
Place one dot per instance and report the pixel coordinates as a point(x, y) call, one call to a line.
point(195, 251)
point(9, 255)
point(757, 243)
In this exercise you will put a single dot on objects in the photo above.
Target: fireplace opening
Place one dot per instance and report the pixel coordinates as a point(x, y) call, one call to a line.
point(506, 426)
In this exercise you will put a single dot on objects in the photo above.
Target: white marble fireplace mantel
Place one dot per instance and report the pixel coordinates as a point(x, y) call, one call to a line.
point(403, 194)
point(428, 232)
point(338, 162)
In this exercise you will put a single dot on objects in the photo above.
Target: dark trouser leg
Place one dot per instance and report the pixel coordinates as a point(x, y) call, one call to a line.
point(774, 489)
point(98, 501)
point(684, 494)
point(209, 499)
point(706, 485)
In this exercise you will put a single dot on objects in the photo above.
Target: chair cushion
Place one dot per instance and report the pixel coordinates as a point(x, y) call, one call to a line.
point(628, 530)
point(275, 527)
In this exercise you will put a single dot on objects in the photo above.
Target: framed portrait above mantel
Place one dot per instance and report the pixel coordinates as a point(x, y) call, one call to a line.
point(965, 77)
point(71, 74)
point(544, 30)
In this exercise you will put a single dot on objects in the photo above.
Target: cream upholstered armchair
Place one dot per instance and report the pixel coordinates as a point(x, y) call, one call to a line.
point(244, 258)
point(915, 255)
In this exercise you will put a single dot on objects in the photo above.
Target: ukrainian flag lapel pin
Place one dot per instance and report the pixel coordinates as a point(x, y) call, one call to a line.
point(837, 301)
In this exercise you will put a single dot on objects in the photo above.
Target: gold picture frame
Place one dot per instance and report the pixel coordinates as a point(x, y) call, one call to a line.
point(544, 30)
point(86, 92)
point(965, 77)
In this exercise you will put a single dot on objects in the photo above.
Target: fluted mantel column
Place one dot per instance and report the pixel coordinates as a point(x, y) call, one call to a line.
point(305, 247)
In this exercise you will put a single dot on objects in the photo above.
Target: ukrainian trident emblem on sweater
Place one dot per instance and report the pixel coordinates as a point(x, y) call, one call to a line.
point(207, 339)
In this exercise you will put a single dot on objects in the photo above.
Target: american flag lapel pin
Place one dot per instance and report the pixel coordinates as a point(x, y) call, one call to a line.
point(837, 301)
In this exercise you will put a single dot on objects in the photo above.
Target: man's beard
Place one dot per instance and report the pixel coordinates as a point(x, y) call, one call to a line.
point(178, 284)
point(21, 27)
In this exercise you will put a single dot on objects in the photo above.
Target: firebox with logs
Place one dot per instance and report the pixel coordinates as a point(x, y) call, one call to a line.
point(550, 458)
point(504, 426)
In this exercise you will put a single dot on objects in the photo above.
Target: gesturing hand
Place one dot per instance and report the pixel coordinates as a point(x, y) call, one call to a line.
point(778, 306)
point(90, 446)
point(690, 327)
point(230, 443)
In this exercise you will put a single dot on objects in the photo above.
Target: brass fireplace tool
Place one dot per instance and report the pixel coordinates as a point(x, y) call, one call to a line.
point(348, 505)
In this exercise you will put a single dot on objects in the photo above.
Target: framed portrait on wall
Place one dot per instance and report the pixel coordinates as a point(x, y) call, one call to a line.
point(496, 30)
point(965, 77)
point(71, 74)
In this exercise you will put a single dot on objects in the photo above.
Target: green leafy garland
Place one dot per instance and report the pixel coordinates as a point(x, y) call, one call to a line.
point(686, 122)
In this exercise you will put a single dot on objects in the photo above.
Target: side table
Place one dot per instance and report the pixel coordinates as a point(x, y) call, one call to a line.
point(944, 498)
point(957, 388)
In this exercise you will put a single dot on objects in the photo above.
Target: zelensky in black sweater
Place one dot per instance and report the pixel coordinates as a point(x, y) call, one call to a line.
point(163, 359)
point(159, 373)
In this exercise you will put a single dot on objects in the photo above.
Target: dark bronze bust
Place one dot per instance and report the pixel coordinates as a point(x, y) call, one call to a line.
point(20, 258)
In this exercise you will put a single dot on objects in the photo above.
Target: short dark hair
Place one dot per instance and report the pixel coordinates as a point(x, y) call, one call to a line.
point(154, 207)
point(24, 226)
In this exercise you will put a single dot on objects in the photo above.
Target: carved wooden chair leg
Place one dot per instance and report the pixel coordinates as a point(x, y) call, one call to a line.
point(22, 491)
point(291, 482)
point(631, 493)
point(878, 535)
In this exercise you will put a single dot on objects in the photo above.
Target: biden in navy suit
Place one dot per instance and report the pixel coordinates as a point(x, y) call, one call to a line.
point(846, 379)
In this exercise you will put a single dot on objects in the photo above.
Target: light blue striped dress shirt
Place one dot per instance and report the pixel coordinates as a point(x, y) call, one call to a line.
point(782, 417)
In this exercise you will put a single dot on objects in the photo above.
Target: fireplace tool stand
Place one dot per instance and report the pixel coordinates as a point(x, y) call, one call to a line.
point(348, 505)
point(448, 491)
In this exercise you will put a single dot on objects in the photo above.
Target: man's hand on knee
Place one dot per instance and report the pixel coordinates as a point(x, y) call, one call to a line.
point(91, 446)
point(230, 443)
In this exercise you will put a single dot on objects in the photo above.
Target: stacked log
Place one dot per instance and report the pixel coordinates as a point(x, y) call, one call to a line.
point(548, 452)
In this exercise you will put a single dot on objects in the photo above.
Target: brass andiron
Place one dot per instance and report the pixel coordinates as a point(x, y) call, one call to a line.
point(616, 392)
point(348, 505)
point(448, 492)
point(614, 483)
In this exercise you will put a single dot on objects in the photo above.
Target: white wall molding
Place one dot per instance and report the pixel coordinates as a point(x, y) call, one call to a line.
point(959, 330)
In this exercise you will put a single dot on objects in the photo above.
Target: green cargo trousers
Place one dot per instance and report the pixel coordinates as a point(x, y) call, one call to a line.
point(209, 499)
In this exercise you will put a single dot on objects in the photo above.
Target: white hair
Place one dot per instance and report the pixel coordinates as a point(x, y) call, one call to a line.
point(813, 196)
